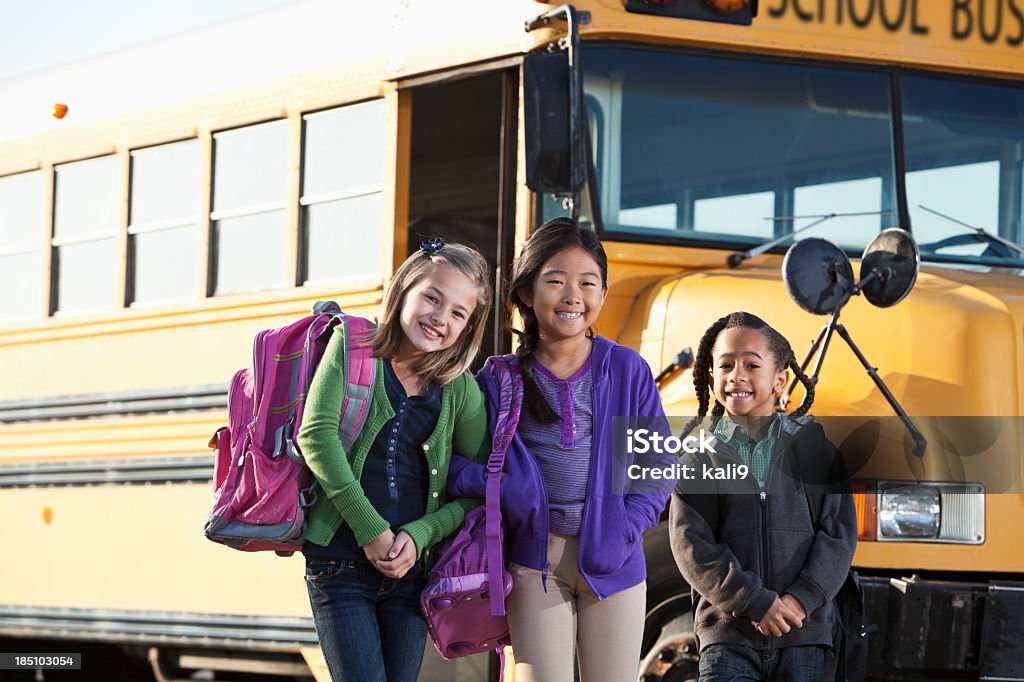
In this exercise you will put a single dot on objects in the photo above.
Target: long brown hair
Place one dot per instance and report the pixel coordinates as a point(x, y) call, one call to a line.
point(440, 366)
point(777, 343)
point(545, 243)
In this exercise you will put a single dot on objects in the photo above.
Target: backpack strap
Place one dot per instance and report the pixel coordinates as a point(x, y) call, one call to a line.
point(360, 374)
point(510, 402)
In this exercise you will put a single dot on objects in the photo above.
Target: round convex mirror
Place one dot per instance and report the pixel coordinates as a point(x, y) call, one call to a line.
point(818, 275)
point(889, 268)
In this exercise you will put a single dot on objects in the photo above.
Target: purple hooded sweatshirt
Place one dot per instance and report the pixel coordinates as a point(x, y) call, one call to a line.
point(610, 550)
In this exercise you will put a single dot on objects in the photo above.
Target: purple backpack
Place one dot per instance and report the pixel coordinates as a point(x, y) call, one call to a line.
point(263, 488)
point(464, 616)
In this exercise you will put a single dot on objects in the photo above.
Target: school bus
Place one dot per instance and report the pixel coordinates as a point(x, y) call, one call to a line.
point(203, 187)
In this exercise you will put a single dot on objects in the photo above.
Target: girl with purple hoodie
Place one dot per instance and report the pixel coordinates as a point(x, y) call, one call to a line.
point(573, 533)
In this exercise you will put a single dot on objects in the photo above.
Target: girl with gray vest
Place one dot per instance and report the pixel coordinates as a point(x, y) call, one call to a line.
point(762, 566)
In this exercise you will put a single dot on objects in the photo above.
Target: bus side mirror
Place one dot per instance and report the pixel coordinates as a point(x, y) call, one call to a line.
point(553, 126)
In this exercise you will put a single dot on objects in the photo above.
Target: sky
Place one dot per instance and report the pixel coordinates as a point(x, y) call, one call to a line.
point(107, 57)
point(37, 34)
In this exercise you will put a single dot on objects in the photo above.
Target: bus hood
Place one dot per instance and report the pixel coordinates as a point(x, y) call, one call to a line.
point(953, 346)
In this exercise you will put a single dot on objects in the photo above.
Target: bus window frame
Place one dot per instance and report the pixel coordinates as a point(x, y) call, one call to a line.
point(54, 243)
point(133, 228)
point(217, 215)
point(306, 202)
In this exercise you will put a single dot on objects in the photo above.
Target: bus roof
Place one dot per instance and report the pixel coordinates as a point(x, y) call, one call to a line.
point(353, 51)
point(365, 43)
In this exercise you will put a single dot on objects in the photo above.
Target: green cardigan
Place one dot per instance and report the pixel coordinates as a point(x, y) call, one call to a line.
point(461, 425)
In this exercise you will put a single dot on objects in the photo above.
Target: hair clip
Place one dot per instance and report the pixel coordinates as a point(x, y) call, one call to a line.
point(432, 246)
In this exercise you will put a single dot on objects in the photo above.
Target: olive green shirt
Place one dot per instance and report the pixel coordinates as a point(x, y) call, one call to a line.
point(755, 454)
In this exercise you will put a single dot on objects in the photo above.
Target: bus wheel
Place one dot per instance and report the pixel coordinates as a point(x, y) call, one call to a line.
point(673, 658)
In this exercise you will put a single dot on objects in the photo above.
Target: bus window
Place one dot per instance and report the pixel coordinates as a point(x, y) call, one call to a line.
point(21, 240)
point(846, 197)
point(342, 192)
point(658, 216)
point(972, 188)
point(163, 223)
point(734, 144)
point(85, 224)
point(737, 214)
point(965, 159)
point(250, 193)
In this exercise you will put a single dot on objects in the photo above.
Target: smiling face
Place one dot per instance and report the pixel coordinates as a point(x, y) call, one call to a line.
point(435, 311)
point(567, 295)
point(744, 376)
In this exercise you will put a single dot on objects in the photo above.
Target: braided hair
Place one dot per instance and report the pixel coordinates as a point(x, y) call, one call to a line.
point(545, 243)
point(777, 344)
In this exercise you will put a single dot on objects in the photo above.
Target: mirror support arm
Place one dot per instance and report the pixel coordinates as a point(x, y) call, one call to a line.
point(822, 342)
point(919, 440)
point(578, 170)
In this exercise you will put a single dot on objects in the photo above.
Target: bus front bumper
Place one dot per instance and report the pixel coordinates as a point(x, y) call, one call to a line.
point(929, 627)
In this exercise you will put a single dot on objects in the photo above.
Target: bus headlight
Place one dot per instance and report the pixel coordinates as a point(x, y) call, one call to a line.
point(928, 512)
point(909, 513)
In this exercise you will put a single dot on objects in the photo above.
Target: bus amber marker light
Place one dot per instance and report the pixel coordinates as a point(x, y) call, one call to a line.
point(60, 110)
point(727, 6)
point(739, 12)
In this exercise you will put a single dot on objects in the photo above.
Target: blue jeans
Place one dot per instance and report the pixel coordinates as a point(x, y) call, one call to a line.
point(728, 663)
point(370, 627)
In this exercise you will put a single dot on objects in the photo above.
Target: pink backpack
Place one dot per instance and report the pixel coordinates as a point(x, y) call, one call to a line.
point(263, 488)
point(464, 616)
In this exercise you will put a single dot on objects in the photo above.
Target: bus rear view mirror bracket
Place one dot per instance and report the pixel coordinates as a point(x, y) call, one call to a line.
point(555, 117)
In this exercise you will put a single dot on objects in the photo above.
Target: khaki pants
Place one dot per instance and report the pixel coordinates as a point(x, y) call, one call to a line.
point(548, 627)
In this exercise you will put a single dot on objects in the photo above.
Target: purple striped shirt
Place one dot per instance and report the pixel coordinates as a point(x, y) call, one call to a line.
point(562, 449)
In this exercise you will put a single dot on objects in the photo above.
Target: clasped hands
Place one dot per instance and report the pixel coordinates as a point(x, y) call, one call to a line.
point(785, 613)
point(393, 555)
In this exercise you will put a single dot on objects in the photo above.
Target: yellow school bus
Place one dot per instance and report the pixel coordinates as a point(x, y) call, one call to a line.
point(204, 187)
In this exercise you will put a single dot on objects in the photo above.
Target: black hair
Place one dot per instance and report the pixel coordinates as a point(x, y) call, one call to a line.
point(777, 344)
point(545, 243)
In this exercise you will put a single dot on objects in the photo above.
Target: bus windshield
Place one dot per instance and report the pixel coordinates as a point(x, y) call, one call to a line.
point(730, 152)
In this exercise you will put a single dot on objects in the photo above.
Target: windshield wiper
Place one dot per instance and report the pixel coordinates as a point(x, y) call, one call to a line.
point(980, 231)
point(734, 259)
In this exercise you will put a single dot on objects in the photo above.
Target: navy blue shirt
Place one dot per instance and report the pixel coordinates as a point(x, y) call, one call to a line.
point(395, 476)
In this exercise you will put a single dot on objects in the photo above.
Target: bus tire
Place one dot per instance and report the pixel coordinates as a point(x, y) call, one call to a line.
point(669, 650)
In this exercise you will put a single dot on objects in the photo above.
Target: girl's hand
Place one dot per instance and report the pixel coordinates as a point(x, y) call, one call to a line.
point(401, 557)
point(794, 604)
point(779, 619)
point(377, 549)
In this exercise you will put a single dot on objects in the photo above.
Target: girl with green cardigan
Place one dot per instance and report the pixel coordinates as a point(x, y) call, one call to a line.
point(382, 504)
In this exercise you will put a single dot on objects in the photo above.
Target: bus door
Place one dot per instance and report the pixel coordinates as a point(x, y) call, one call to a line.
point(462, 172)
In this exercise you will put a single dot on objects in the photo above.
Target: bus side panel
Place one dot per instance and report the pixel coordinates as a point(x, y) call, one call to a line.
point(136, 547)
